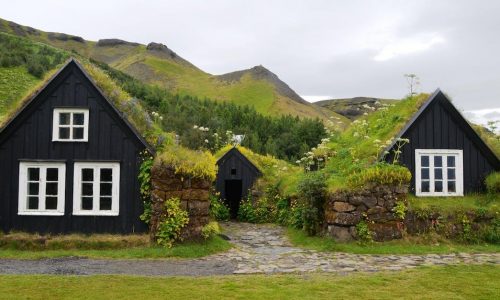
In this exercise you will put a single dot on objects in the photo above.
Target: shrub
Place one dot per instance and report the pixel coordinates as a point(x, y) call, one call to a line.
point(493, 183)
point(218, 210)
point(312, 194)
point(210, 230)
point(380, 174)
point(173, 220)
point(363, 232)
point(492, 233)
point(246, 212)
point(145, 185)
point(400, 209)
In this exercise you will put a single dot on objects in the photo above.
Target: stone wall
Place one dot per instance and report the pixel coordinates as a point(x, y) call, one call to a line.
point(345, 209)
point(193, 193)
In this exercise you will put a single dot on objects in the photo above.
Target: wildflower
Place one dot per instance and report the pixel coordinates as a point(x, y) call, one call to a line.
point(195, 127)
point(206, 141)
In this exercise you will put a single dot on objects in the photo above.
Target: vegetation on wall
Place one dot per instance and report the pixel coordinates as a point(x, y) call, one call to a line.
point(171, 224)
point(198, 164)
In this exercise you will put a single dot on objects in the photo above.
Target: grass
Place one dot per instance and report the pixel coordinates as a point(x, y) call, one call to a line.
point(451, 282)
point(183, 250)
point(411, 245)
point(452, 205)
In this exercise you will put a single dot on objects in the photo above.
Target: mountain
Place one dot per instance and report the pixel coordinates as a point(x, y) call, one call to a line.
point(354, 108)
point(157, 64)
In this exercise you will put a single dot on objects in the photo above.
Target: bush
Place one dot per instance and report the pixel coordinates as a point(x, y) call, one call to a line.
point(218, 210)
point(380, 174)
point(173, 220)
point(493, 183)
point(491, 233)
point(312, 194)
point(247, 212)
point(210, 230)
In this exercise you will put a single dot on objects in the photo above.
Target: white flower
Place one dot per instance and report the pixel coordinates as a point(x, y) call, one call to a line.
point(206, 141)
point(195, 127)
point(297, 161)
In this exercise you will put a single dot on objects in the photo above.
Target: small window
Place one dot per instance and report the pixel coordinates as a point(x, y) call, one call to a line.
point(41, 188)
point(96, 189)
point(70, 125)
point(233, 171)
point(438, 172)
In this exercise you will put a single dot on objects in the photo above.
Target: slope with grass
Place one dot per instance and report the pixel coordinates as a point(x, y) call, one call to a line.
point(157, 64)
point(353, 108)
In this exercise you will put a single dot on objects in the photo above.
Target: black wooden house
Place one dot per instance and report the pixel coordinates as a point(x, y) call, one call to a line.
point(236, 175)
point(445, 154)
point(69, 161)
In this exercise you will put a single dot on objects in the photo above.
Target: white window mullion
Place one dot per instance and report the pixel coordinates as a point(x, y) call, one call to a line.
point(431, 174)
point(97, 187)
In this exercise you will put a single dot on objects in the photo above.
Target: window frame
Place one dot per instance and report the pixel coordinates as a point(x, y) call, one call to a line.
point(459, 171)
point(115, 188)
point(56, 125)
point(22, 208)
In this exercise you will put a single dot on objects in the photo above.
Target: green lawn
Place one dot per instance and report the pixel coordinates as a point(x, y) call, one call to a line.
point(184, 250)
point(451, 282)
point(450, 205)
point(411, 245)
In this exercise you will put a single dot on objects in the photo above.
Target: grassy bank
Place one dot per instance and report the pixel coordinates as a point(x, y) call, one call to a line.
point(92, 248)
point(410, 245)
point(452, 282)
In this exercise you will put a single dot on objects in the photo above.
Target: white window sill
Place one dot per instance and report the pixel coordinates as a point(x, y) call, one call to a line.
point(40, 213)
point(98, 214)
point(71, 141)
point(438, 195)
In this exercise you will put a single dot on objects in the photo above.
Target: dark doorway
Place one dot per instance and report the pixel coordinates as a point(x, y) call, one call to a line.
point(233, 196)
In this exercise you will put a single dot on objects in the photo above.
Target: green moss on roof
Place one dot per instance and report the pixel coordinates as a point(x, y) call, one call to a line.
point(198, 164)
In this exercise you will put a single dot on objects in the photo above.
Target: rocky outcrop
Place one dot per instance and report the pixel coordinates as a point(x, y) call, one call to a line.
point(114, 42)
point(193, 193)
point(345, 209)
point(65, 37)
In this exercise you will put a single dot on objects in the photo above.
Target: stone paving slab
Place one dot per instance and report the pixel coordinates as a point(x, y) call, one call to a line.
point(258, 249)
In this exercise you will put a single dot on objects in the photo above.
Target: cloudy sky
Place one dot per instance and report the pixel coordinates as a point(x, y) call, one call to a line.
point(322, 49)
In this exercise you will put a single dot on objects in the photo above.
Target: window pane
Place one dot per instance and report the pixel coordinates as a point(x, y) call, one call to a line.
point(87, 189)
point(33, 174)
point(64, 133)
point(106, 189)
point(425, 173)
point(51, 188)
point(32, 202)
point(106, 174)
point(424, 161)
point(77, 119)
point(87, 203)
point(438, 161)
point(438, 186)
point(87, 174)
point(33, 188)
point(64, 118)
point(52, 174)
point(451, 186)
point(78, 133)
point(438, 173)
point(451, 161)
point(451, 173)
point(105, 203)
point(425, 186)
point(51, 203)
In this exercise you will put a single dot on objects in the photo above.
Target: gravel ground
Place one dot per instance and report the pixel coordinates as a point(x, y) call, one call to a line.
point(258, 249)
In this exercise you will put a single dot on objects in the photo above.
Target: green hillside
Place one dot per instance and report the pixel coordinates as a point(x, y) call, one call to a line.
point(157, 64)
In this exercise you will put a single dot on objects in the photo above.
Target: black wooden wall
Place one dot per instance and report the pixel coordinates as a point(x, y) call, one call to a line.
point(440, 126)
point(245, 171)
point(29, 137)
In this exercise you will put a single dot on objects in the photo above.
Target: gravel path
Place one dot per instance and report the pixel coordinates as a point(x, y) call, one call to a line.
point(258, 249)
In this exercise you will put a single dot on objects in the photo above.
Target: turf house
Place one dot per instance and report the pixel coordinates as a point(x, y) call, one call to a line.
point(70, 160)
point(445, 155)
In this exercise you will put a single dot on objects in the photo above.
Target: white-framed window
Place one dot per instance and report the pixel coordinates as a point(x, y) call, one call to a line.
point(70, 125)
point(439, 172)
point(96, 189)
point(41, 188)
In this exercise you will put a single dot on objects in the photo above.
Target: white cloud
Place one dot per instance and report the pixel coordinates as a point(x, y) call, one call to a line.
point(407, 46)
point(315, 98)
point(482, 116)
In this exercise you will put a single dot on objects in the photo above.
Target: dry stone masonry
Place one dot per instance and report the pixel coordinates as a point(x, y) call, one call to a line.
point(374, 204)
point(193, 193)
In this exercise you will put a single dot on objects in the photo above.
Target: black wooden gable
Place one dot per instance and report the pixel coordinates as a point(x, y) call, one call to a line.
point(235, 152)
point(439, 98)
point(31, 104)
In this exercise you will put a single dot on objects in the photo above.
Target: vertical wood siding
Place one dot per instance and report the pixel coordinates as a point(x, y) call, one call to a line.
point(30, 138)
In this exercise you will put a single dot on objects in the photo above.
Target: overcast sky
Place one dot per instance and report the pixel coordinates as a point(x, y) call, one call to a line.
point(322, 49)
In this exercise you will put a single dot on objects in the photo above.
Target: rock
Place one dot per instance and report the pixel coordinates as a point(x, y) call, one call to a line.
point(356, 200)
point(370, 201)
point(340, 233)
point(196, 208)
point(344, 218)
point(114, 42)
point(343, 207)
point(385, 231)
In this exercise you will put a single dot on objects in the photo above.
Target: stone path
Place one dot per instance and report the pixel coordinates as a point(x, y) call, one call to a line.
point(258, 249)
